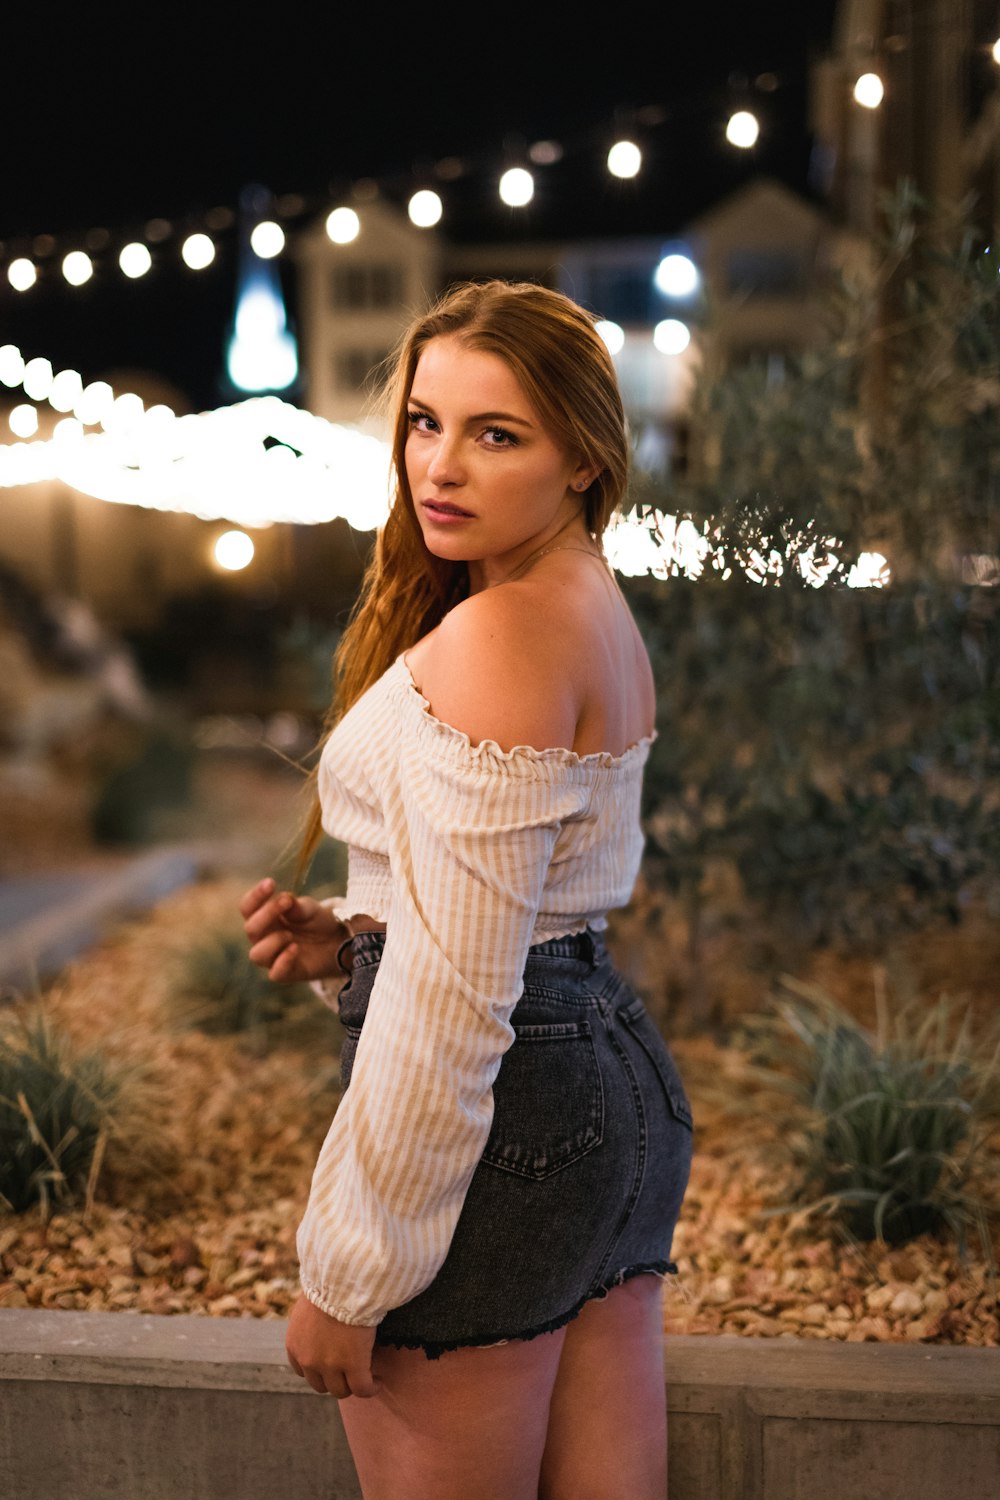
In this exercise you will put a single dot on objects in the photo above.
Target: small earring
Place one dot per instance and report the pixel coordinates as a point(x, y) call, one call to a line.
point(580, 485)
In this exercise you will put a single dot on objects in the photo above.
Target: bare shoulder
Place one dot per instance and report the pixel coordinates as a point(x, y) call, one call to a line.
point(500, 666)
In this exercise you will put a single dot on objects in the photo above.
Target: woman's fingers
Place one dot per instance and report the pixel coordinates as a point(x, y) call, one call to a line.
point(267, 949)
point(360, 1381)
point(256, 896)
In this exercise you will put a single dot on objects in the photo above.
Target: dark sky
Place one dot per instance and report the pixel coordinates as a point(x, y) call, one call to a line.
point(169, 112)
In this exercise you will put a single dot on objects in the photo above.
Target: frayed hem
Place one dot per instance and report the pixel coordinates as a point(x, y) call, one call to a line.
point(434, 1349)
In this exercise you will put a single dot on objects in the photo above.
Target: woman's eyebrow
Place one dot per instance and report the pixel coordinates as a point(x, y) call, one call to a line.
point(479, 416)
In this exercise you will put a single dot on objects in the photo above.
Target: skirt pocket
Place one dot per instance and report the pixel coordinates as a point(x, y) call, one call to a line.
point(548, 1101)
point(636, 1018)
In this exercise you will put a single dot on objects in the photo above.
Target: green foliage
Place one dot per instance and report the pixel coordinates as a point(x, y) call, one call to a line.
point(839, 746)
point(884, 1131)
point(220, 990)
point(134, 792)
point(56, 1113)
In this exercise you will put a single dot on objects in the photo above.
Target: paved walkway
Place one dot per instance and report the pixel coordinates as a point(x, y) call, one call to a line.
point(45, 920)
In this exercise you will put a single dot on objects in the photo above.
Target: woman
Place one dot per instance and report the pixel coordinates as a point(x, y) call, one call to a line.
point(491, 1213)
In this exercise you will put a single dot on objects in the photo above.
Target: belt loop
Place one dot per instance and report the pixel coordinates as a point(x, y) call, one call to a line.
point(590, 950)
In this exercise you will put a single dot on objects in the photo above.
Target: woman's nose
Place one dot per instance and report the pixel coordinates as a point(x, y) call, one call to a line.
point(446, 465)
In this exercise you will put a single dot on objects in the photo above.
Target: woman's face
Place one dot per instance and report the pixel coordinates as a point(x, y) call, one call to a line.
point(488, 483)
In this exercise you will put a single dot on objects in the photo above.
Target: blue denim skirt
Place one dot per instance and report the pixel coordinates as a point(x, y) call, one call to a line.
point(587, 1162)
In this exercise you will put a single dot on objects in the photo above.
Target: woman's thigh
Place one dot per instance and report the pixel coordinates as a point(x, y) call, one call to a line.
point(472, 1423)
point(607, 1431)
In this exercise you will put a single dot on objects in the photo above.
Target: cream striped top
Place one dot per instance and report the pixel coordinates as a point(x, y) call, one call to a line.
point(469, 854)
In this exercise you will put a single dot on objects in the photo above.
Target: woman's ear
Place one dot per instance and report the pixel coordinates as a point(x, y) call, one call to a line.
point(584, 477)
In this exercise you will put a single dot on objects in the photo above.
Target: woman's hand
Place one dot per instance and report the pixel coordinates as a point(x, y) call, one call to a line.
point(334, 1357)
point(292, 937)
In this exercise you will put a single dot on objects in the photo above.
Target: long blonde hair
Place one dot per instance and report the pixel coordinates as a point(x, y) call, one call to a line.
point(567, 374)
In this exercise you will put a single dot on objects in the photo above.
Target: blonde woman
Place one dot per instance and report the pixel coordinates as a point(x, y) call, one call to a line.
point(491, 1214)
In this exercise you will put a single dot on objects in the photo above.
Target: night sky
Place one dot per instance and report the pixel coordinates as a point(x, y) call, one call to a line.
point(171, 112)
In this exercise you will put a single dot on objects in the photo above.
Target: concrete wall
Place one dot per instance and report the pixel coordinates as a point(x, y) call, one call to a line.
point(191, 1408)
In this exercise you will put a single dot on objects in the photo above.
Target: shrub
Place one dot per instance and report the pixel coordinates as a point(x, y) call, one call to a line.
point(220, 990)
point(56, 1114)
point(885, 1130)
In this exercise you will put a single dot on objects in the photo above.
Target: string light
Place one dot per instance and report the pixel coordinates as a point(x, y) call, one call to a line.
point(77, 267)
point(343, 226)
point(742, 129)
point(996, 51)
point(263, 462)
point(37, 379)
point(517, 187)
point(671, 336)
point(612, 334)
point(23, 421)
point(135, 260)
point(868, 91)
point(624, 159)
point(22, 274)
point(11, 365)
point(425, 209)
point(233, 551)
point(676, 275)
point(198, 251)
point(267, 239)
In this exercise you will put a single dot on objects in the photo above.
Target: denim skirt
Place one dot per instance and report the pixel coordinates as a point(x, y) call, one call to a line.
point(587, 1162)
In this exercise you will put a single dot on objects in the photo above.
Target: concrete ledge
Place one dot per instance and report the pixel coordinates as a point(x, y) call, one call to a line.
point(195, 1408)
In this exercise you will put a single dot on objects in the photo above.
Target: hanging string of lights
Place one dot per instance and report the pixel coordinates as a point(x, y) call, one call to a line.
point(27, 260)
point(263, 461)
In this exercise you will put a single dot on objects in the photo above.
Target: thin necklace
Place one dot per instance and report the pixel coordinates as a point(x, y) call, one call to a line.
point(543, 551)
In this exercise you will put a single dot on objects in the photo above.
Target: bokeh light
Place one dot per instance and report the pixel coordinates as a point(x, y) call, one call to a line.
point(267, 239)
point(671, 336)
point(869, 91)
point(134, 260)
point(198, 251)
point(343, 226)
point(11, 365)
point(37, 379)
point(742, 129)
point(22, 274)
point(233, 550)
point(624, 159)
point(424, 209)
point(612, 334)
point(66, 390)
point(517, 187)
point(676, 275)
point(77, 267)
point(23, 421)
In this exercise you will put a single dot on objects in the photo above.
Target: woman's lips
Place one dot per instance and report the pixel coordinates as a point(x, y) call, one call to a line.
point(444, 512)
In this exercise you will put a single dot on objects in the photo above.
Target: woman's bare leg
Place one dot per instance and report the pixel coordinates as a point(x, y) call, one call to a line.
point(608, 1415)
point(470, 1424)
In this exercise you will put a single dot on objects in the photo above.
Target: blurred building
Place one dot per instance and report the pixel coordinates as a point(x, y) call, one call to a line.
point(758, 261)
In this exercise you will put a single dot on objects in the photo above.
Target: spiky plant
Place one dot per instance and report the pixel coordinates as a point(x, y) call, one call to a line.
point(886, 1130)
point(219, 989)
point(56, 1115)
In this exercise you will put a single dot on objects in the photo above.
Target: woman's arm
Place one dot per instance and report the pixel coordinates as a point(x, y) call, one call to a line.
point(471, 829)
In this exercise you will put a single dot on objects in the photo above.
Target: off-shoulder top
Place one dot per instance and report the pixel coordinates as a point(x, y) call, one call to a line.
point(469, 854)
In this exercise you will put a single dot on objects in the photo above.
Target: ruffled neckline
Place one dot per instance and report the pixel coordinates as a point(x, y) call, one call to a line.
point(490, 750)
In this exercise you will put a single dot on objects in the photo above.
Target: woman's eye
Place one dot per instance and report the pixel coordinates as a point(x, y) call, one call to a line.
point(499, 437)
point(418, 418)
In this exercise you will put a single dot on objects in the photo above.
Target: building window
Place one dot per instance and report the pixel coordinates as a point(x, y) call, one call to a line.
point(367, 287)
point(766, 273)
point(357, 369)
point(625, 294)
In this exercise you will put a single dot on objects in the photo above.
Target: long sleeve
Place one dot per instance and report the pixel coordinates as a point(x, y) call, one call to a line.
point(470, 834)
